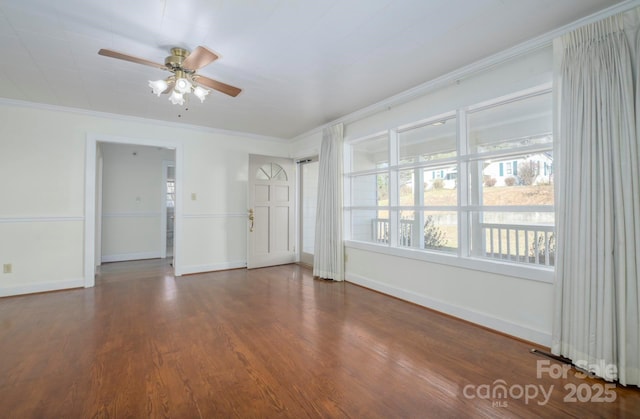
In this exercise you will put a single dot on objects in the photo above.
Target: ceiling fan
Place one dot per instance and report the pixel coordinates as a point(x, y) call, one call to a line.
point(183, 64)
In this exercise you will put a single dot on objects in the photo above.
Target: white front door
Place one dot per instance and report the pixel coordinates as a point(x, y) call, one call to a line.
point(271, 211)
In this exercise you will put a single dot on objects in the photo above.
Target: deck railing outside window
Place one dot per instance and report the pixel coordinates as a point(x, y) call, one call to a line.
point(532, 244)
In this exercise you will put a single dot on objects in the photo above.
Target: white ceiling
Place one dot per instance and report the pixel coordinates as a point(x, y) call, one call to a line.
point(300, 63)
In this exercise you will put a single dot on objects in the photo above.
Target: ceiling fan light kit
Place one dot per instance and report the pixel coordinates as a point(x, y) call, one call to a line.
point(200, 93)
point(176, 98)
point(158, 86)
point(183, 64)
point(182, 86)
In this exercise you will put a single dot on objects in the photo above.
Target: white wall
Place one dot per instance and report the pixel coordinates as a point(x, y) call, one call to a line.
point(514, 305)
point(132, 201)
point(216, 220)
point(42, 164)
point(307, 146)
point(518, 74)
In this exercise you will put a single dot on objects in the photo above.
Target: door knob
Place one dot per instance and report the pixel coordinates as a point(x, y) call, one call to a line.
point(251, 219)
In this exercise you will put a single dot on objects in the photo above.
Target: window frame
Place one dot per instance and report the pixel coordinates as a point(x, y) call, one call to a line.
point(465, 208)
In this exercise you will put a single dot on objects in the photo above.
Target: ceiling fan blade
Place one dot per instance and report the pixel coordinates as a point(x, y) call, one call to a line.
point(125, 57)
point(216, 85)
point(199, 58)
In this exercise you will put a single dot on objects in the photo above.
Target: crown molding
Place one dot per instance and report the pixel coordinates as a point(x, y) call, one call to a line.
point(541, 41)
point(128, 118)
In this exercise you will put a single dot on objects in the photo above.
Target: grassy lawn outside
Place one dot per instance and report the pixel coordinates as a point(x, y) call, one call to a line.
point(496, 195)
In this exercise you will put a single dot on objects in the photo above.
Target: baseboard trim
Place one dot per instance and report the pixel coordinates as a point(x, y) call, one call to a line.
point(196, 269)
point(7, 291)
point(482, 319)
point(130, 256)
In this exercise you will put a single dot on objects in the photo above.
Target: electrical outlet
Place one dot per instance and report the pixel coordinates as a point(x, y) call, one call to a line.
point(194, 196)
point(7, 268)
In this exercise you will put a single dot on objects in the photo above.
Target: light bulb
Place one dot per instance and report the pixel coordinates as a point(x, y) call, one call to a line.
point(182, 86)
point(200, 92)
point(176, 98)
point(158, 86)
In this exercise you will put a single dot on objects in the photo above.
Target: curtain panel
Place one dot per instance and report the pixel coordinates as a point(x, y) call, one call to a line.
point(596, 315)
point(328, 258)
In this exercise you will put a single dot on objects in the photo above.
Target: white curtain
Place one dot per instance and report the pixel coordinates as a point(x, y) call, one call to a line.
point(328, 258)
point(596, 316)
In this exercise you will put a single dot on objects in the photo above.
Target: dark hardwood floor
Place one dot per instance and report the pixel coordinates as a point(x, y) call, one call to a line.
point(270, 342)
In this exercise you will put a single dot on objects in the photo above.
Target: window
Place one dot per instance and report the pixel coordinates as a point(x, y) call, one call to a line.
point(511, 210)
point(171, 187)
point(427, 192)
point(271, 171)
point(475, 183)
point(370, 190)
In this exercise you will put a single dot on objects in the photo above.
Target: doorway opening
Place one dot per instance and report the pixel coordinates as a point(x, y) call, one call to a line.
point(137, 202)
point(137, 213)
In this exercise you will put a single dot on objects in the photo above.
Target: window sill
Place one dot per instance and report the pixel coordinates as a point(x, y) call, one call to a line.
point(534, 273)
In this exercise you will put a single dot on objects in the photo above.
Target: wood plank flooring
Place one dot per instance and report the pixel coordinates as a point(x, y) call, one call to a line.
point(268, 343)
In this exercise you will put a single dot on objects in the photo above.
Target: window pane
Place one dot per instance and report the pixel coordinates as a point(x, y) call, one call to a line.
point(370, 190)
point(431, 230)
point(524, 237)
point(441, 186)
point(518, 180)
point(171, 193)
point(370, 154)
point(271, 171)
point(428, 142)
point(513, 124)
point(429, 187)
point(409, 187)
point(370, 226)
